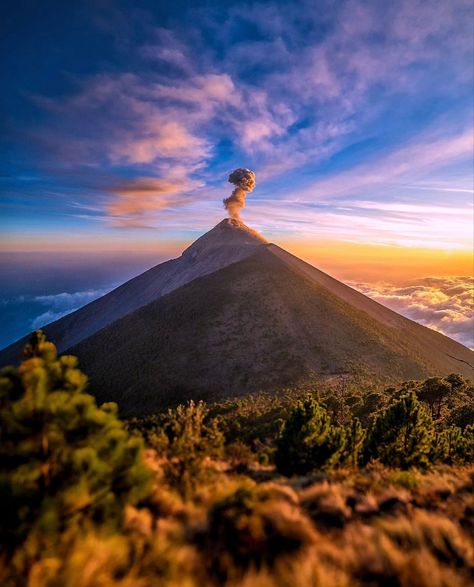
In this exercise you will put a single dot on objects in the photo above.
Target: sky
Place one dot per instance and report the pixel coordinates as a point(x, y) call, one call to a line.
point(122, 121)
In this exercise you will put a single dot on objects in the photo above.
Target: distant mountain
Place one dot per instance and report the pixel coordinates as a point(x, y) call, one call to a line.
point(234, 315)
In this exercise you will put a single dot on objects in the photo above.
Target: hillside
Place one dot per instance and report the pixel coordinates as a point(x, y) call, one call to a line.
point(227, 242)
point(262, 323)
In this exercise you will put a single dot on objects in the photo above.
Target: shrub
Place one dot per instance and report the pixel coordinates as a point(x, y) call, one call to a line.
point(463, 414)
point(448, 446)
point(434, 391)
point(355, 436)
point(308, 440)
point(188, 439)
point(62, 458)
point(402, 435)
point(454, 445)
point(239, 455)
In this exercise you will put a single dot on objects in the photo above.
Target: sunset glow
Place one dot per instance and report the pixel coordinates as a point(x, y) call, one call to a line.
point(359, 128)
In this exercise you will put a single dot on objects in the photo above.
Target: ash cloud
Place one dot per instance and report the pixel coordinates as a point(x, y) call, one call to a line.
point(244, 180)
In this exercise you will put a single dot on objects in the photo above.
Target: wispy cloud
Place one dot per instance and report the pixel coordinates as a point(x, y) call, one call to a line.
point(259, 86)
point(378, 222)
point(415, 160)
point(137, 198)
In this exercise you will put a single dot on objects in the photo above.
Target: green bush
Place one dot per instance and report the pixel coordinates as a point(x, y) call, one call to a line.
point(308, 440)
point(454, 445)
point(402, 435)
point(355, 436)
point(62, 458)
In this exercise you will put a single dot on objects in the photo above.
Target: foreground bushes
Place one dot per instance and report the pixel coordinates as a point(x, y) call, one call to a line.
point(254, 528)
point(77, 507)
point(63, 460)
point(362, 530)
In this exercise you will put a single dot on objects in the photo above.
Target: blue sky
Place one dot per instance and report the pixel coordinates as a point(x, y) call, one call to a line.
point(124, 119)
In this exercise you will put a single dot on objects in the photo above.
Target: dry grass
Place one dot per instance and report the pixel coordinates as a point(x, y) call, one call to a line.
point(353, 529)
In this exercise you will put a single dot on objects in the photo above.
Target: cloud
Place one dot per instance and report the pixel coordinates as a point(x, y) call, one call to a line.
point(386, 223)
point(137, 198)
point(161, 140)
point(61, 304)
point(66, 300)
point(259, 86)
point(49, 316)
point(444, 304)
point(355, 70)
point(423, 155)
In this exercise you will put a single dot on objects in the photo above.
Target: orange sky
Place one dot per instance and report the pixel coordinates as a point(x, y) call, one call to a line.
point(344, 260)
point(377, 262)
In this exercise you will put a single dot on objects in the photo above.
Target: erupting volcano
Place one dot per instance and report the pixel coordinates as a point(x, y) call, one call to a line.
point(235, 314)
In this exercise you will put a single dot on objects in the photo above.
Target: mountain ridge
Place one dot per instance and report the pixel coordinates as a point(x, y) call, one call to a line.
point(252, 326)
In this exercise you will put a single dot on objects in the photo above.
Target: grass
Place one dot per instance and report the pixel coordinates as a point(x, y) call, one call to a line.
point(374, 527)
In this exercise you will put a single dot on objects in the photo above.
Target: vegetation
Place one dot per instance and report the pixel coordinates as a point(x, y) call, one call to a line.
point(402, 435)
point(309, 440)
point(345, 489)
point(62, 459)
point(187, 438)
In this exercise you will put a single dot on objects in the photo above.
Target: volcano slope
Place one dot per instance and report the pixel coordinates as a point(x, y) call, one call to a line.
point(228, 242)
point(265, 322)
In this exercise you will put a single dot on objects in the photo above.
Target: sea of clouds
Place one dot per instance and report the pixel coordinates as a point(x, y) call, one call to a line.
point(24, 313)
point(58, 305)
point(445, 304)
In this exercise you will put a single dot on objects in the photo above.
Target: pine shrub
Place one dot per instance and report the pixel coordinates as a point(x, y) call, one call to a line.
point(63, 459)
point(402, 435)
point(308, 440)
point(189, 438)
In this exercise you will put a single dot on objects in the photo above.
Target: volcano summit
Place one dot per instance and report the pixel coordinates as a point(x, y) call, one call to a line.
point(235, 314)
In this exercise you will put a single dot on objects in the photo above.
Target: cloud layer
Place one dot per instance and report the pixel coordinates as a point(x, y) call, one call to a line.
point(58, 305)
point(444, 304)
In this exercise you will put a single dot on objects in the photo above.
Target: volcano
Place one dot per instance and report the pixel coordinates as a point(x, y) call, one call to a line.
point(233, 315)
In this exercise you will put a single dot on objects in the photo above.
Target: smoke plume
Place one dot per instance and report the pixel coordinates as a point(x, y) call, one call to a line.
point(244, 180)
